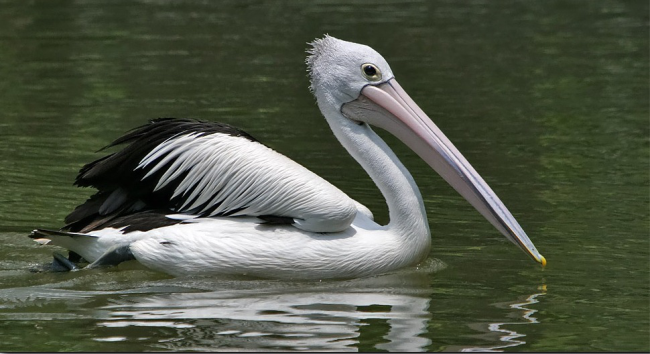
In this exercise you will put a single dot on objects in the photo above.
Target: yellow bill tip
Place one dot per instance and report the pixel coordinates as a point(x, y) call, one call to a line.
point(542, 260)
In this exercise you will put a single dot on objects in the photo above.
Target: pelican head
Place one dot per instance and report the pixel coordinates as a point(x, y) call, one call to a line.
point(352, 81)
point(339, 70)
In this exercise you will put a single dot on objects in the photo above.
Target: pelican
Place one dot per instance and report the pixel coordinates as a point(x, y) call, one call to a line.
point(188, 197)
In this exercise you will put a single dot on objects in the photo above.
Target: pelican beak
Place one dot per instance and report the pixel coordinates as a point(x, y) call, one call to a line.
point(389, 107)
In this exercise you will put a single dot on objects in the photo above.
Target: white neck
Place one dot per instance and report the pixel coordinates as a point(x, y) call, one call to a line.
point(408, 219)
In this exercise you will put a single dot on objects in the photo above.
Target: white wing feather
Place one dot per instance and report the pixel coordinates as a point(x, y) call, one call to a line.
point(230, 175)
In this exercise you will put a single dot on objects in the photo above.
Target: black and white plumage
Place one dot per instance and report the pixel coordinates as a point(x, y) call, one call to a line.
point(206, 169)
point(189, 197)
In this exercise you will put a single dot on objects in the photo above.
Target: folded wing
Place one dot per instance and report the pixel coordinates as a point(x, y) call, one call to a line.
point(206, 169)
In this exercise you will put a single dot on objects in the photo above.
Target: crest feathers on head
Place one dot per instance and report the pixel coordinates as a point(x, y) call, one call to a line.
point(317, 47)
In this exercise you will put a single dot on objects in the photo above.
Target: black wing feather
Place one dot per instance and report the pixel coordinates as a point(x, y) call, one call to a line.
point(121, 188)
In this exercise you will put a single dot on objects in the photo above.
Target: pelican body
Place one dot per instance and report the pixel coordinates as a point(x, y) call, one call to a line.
point(187, 197)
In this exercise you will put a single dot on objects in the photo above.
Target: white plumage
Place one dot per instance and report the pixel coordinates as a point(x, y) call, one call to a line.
point(235, 176)
point(187, 197)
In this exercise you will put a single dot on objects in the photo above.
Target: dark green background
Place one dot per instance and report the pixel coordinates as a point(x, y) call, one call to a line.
point(547, 99)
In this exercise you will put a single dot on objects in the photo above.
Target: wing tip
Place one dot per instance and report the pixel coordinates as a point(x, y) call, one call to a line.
point(39, 234)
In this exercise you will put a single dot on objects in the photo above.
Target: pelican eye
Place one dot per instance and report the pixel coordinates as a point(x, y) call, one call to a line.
point(371, 72)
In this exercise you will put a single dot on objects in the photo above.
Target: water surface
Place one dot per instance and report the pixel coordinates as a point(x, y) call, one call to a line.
point(548, 100)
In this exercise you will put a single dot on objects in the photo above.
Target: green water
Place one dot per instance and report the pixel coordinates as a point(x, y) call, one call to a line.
point(548, 100)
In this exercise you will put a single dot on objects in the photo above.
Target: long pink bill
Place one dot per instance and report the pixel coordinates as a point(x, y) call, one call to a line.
point(389, 107)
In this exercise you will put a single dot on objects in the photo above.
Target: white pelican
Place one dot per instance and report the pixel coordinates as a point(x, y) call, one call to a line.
point(187, 197)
